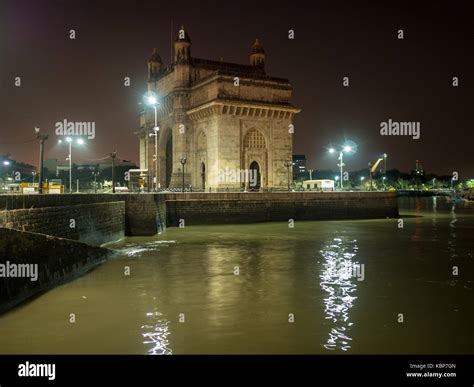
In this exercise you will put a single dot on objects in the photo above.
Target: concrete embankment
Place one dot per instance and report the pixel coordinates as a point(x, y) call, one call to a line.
point(201, 208)
point(101, 218)
point(31, 263)
point(91, 218)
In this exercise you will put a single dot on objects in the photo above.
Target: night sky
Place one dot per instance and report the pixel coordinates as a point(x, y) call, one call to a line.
point(405, 80)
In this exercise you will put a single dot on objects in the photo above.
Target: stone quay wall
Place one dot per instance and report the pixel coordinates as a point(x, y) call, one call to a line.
point(58, 260)
point(217, 208)
point(100, 218)
point(94, 223)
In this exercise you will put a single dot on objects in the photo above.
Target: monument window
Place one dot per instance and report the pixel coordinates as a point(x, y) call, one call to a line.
point(254, 139)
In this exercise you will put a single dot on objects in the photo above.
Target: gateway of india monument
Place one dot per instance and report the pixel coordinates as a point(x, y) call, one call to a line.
point(216, 119)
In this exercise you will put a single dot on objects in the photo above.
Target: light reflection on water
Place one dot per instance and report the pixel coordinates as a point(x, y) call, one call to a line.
point(338, 282)
point(132, 250)
point(452, 235)
point(156, 334)
point(305, 271)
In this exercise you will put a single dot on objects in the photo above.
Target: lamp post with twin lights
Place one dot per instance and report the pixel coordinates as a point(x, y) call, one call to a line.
point(69, 140)
point(348, 148)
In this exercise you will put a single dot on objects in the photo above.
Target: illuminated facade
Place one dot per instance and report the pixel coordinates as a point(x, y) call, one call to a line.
point(219, 116)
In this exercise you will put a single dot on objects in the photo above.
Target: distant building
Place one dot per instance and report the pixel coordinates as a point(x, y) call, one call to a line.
point(56, 166)
point(216, 117)
point(418, 171)
point(299, 165)
point(9, 166)
point(319, 185)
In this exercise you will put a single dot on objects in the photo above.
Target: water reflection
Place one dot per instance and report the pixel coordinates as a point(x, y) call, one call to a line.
point(416, 236)
point(434, 219)
point(452, 234)
point(156, 334)
point(134, 250)
point(338, 279)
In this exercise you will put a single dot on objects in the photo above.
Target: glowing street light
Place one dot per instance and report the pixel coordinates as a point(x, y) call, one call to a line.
point(69, 140)
point(6, 162)
point(345, 149)
point(151, 99)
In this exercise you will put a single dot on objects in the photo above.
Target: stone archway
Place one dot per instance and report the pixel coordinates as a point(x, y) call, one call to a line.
point(254, 179)
point(254, 159)
point(203, 175)
point(201, 160)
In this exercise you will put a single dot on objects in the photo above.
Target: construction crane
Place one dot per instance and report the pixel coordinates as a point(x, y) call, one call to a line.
point(373, 168)
point(376, 164)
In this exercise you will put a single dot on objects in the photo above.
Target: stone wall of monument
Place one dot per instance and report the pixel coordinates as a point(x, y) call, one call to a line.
point(282, 150)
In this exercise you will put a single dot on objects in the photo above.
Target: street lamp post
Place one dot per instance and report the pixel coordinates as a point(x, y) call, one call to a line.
point(113, 155)
point(42, 137)
point(288, 164)
point(183, 163)
point(341, 164)
point(344, 149)
point(151, 99)
point(155, 156)
point(6, 163)
point(69, 157)
point(370, 176)
point(95, 173)
point(79, 141)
